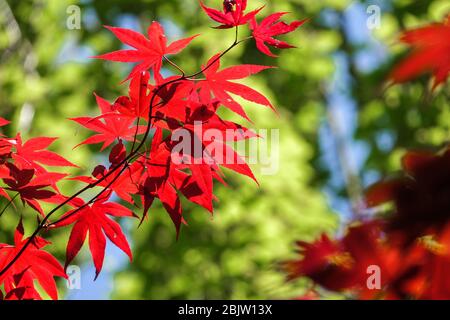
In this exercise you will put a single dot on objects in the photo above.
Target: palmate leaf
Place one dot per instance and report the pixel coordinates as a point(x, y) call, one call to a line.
point(32, 153)
point(148, 53)
point(430, 53)
point(34, 264)
point(218, 84)
point(93, 220)
point(233, 13)
point(270, 27)
point(109, 127)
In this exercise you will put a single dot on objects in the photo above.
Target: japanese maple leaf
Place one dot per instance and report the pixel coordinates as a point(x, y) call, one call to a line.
point(170, 171)
point(316, 255)
point(4, 174)
point(190, 113)
point(218, 83)
point(164, 178)
point(419, 195)
point(93, 219)
point(175, 103)
point(430, 53)
point(203, 167)
point(124, 184)
point(118, 154)
point(342, 264)
point(33, 264)
point(232, 15)
point(137, 103)
point(158, 182)
point(215, 151)
point(31, 154)
point(163, 182)
point(270, 27)
point(148, 53)
point(6, 148)
point(109, 127)
point(32, 190)
point(21, 293)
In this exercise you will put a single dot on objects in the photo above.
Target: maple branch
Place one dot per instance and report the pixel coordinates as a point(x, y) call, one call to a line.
point(87, 203)
point(173, 64)
point(135, 133)
point(44, 225)
point(93, 199)
point(8, 204)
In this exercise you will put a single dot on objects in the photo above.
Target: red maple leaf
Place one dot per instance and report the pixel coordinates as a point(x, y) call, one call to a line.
point(6, 148)
point(164, 177)
point(218, 83)
point(270, 27)
point(159, 181)
point(215, 151)
point(232, 15)
point(170, 170)
point(33, 264)
point(30, 154)
point(137, 104)
point(148, 53)
point(93, 219)
point(32, 190)
point(21, 293)
point(420, 194)
point(342, 264)
point(430, 53)
point(110, 126)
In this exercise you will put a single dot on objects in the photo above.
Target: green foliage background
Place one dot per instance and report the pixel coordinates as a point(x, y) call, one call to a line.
point(46, 78)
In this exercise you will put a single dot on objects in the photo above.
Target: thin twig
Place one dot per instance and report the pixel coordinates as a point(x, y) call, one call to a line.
point(8, 204)
point(173, 64)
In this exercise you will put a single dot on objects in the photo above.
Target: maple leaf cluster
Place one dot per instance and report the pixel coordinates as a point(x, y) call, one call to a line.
point(23, 174)
point(411, 246)
point(138, 171)
point(407, 238)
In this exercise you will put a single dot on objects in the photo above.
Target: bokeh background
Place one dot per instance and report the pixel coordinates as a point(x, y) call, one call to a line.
point(341, 129)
